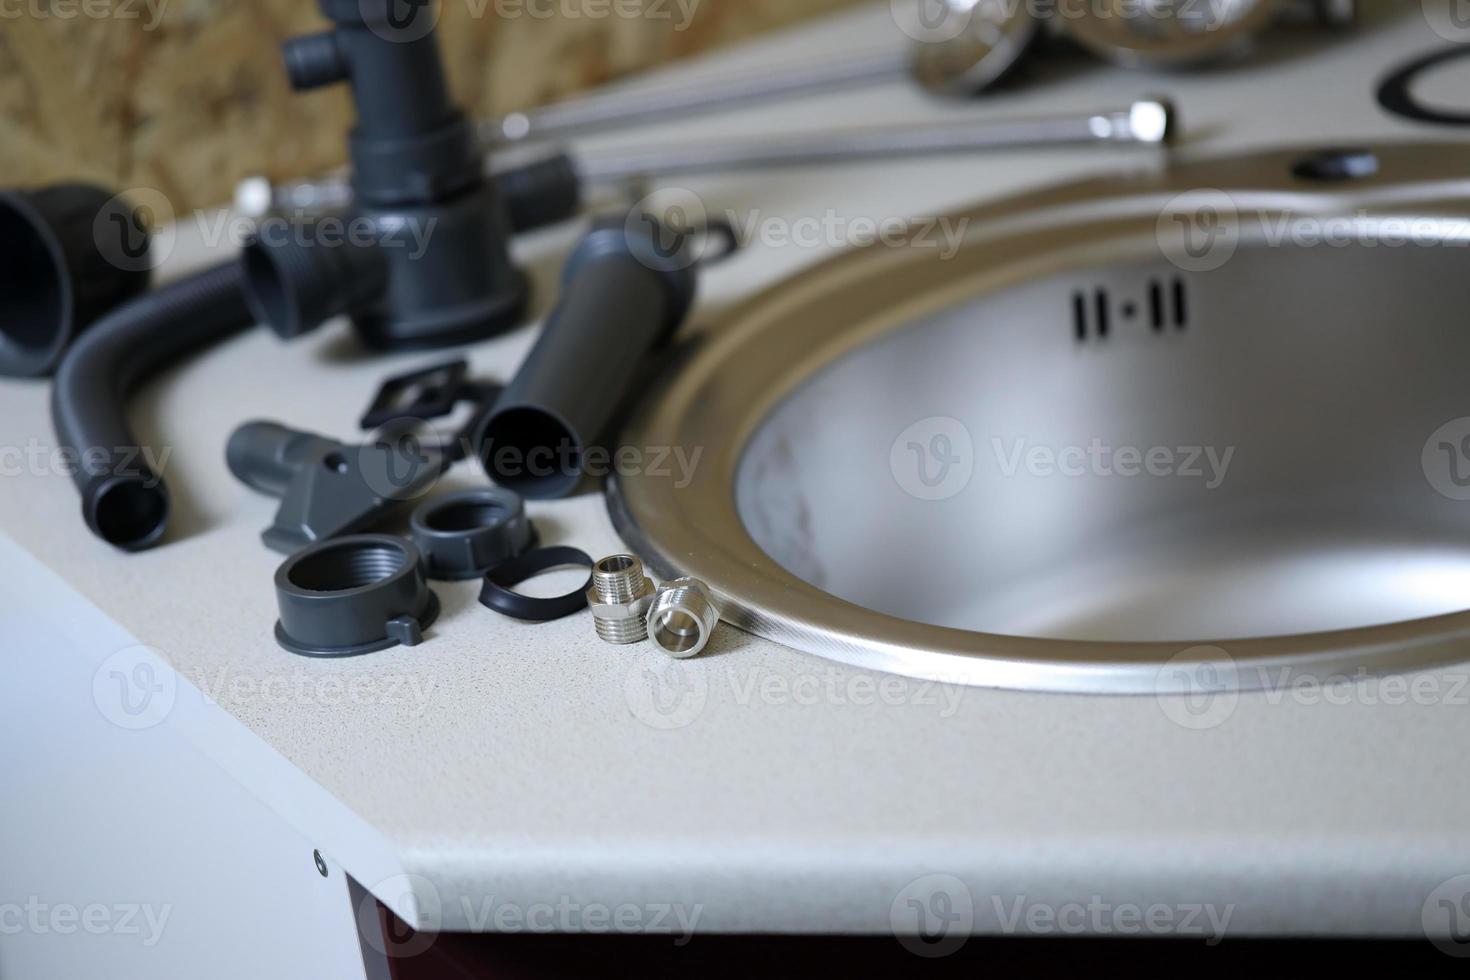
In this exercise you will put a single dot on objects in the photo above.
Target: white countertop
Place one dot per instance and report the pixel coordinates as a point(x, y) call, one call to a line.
point(527, 764)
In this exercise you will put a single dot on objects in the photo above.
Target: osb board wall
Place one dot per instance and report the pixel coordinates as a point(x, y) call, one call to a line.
point(187, 96)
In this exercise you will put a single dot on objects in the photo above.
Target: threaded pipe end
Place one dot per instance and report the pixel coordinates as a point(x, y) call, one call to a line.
point(622, 631)
point(619, 579)
point(682, 618)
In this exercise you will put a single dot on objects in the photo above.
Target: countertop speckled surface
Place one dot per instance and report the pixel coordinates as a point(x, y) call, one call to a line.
point(775, 791)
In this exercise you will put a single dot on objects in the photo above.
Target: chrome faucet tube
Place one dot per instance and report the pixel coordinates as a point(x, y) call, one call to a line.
point(1145, 122)
point(646, 104)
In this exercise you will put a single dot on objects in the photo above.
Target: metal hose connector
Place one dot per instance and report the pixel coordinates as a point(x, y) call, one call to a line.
point(682, 618)
point(620, 597)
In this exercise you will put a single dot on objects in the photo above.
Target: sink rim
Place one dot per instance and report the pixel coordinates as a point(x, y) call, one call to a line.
point(697, 531)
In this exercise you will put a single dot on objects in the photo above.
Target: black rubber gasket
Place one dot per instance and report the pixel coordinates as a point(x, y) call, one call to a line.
point(1395, 92)
point(500, 580)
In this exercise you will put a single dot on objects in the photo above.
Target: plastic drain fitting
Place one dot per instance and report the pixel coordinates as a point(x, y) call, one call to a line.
point(352, 596)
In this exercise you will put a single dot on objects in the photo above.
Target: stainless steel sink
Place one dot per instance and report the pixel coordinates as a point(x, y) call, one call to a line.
point(1215, 414)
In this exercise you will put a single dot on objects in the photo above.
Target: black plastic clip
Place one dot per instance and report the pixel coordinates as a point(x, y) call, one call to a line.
point(429, 393)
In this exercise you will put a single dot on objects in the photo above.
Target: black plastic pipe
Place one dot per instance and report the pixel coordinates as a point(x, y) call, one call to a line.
point(293, 286)
point(626, 288)
point(124, 501)
point(541, 193)
point(69, 253)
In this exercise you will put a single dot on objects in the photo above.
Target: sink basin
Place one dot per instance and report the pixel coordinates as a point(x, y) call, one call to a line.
point(1217, 413)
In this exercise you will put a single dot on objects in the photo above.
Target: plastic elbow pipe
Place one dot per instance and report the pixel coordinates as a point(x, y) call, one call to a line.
point(124, 501)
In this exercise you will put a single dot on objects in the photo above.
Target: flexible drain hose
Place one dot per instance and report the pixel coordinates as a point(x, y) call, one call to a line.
point(124, 501)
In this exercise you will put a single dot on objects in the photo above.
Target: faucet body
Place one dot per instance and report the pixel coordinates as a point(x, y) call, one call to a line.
point(421, 257)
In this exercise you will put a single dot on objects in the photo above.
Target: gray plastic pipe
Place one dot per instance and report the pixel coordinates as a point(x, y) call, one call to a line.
point(626, 288)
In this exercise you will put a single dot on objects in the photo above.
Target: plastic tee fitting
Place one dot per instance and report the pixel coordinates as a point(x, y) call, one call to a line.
point(421, 258)
point(329, 489)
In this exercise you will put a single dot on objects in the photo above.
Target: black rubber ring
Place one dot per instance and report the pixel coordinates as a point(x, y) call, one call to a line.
point(499, 581)
point(1395, 92)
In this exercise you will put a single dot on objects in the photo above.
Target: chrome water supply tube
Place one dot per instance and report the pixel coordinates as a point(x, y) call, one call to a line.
point(960, 58)
point(960, 50)
point(550, 189)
